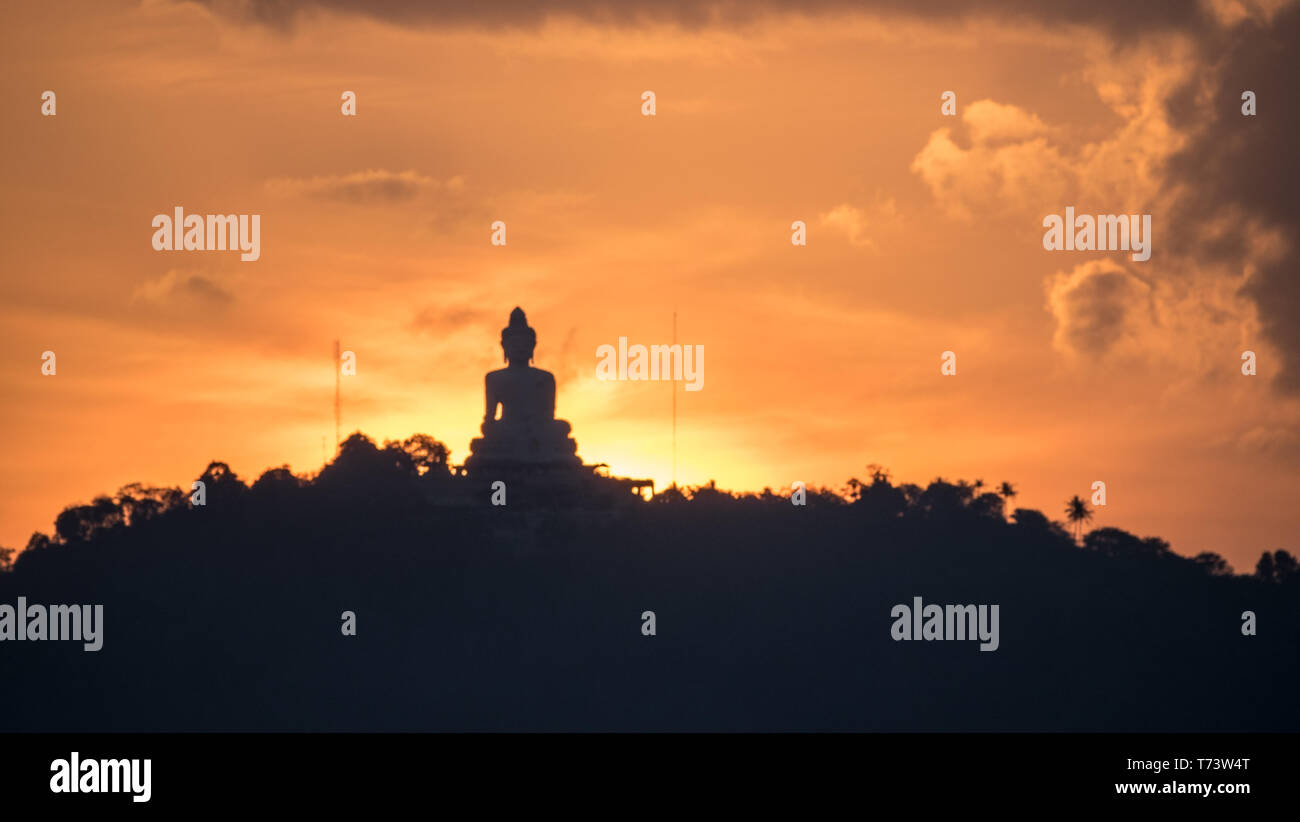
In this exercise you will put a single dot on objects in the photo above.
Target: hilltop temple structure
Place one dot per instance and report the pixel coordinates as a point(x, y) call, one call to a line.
point(526, 437)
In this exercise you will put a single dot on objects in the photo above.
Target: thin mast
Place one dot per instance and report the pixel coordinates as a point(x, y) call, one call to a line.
point(673, 384)
point(337, 367)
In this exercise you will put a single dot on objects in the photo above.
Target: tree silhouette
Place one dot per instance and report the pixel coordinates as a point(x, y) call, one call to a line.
point(853, 489)
point(1278, 566)
point(764, 591)
point(1077, 512)
point(672, 495)
point(987, 505)
point(942, 500)
point(707, 493)
point(1008, 492)
point(880, 500)
point(426, 453)
point(79, 523)
point(1285, 567)
point(1116, 542)
point(223, 488)
point(1039, 529)
point(1213, 564)
point(141, 503)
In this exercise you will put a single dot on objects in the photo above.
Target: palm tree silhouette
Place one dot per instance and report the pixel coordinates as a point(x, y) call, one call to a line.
point(1007, 491)
point(1077, 511)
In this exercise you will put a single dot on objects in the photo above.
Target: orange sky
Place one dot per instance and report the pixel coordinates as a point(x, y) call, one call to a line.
point(924, 235)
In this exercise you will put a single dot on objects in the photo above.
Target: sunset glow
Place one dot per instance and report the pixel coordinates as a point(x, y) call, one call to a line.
point(924, 235)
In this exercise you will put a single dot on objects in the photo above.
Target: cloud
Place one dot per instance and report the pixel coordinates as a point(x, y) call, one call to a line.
point(1122, 19)
point(991, 122)
point(1183, 138)
point(1024, 175)
point(1233, 12)
point(371, 186)
point(441, 321)
point(853, 222)
point(849, 220)
point(1240, 172)
point(1187, 329)
point(1270, 438)
point(1017, 164)
point(178, 284)
point(1218, 184)
point(1099, 306)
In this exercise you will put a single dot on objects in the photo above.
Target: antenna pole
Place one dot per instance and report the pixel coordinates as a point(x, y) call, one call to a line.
point(337, 366)
point(673, 383)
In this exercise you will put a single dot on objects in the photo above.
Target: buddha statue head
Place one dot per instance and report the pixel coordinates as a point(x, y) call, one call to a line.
point(518, 339)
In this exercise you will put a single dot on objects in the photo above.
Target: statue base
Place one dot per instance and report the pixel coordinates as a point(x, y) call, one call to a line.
point(522, 449)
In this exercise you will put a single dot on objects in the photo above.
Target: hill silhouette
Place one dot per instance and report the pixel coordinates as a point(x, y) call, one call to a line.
point(528, 616)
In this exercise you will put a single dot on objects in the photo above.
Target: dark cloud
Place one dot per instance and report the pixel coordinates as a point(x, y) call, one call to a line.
point(1245, 169)
point(1096, 306)
point(1123, 19)
point(375, 186)
point(441, 321)
point(201, 288)
point(177, 285)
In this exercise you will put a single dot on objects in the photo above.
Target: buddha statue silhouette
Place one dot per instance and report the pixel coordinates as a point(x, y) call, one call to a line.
point(527, 434)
